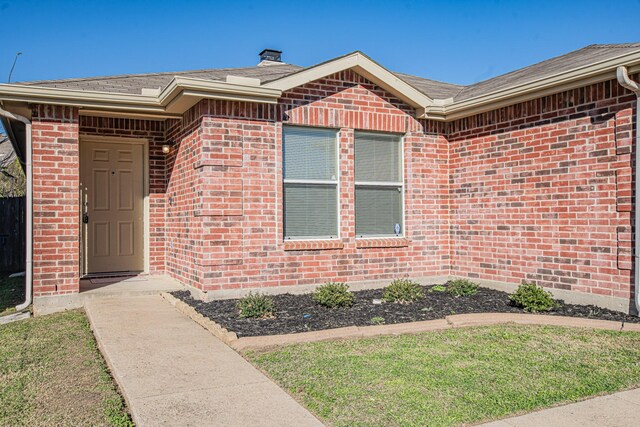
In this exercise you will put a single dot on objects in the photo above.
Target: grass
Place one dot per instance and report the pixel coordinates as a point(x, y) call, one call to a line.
point(11, 294)
point(51, 373)
point(453, 377)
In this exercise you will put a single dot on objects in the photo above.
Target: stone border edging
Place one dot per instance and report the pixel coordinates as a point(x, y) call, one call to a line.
point(449, 322)
point(218, 331)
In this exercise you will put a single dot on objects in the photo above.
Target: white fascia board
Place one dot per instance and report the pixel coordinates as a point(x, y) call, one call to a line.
point(33, 94)
point(362, 65)
point(314, 73)
point(184, 92)
point(179, 84)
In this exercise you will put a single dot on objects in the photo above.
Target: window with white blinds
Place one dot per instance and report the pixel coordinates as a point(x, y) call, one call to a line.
point(379, 185)
point(310, 170)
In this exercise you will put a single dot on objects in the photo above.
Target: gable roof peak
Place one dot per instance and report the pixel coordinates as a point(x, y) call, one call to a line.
point(361, 64)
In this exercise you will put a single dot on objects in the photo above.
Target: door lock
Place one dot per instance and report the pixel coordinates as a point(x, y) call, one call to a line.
point(85, 218)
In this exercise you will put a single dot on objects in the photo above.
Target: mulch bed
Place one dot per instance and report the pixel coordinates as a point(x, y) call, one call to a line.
point(298, 313)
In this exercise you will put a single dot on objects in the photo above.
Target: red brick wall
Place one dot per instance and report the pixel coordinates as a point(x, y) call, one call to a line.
point(56, 225)
point(541, 191)
point(183, 228)
point(537, 191)
point(225, 181)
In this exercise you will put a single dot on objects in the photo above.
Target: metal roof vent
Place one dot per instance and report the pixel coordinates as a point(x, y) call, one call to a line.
point(270, 55)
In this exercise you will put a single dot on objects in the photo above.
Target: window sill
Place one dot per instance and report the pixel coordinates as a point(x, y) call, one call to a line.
point(312, 245)
point(382, 242)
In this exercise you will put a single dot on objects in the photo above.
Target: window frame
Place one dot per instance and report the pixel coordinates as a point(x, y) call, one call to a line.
point(399, 184)
point(319, 182)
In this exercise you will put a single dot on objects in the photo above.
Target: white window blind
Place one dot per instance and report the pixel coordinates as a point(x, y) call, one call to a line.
point(310, 183)
point(379, 185)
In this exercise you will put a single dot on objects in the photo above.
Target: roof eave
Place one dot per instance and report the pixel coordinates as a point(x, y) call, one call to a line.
point(177, 97)
point(184, 92)
point(78, 98)
point(572, 79)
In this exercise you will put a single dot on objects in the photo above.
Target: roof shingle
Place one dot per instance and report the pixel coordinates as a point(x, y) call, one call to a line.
point(567, 62)
point(134, 83)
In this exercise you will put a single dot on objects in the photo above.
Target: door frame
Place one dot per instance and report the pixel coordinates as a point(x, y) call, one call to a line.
point(83, 140)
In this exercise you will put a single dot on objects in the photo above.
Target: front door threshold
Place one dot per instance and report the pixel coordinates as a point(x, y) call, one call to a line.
point(113, 274)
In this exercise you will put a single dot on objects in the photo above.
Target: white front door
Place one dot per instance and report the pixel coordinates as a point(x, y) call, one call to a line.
point(112, 185)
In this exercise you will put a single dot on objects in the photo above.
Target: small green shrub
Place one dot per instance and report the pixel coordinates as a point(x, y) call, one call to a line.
point(438, 288)
point(533, 298)
point(462, 288)
point(377, 320)
point(403, 291)
point(255, 305)
point(333, 295)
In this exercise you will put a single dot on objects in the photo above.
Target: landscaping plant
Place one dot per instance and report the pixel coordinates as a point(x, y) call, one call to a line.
point(403, 291)
point(378, 320)
point(462, 288)
point(438, 288)
point(333, 295)
point(532, 298)
point(256, 305)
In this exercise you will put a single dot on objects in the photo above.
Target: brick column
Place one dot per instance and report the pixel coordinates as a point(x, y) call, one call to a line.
point(56, 216)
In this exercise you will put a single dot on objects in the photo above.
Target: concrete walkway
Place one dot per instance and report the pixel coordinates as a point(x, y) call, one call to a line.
point(616, 410)
point(173, 372)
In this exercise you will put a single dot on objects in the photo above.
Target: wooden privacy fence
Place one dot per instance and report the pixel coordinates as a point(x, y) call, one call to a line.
point(12, 234)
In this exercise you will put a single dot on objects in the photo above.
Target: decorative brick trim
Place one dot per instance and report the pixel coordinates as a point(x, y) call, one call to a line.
point(624, 191)
point(391, 242)
point(221, 143)
point(625, 250)
point(313, 245)
point(624, 131)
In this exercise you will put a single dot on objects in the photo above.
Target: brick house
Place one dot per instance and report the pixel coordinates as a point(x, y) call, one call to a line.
point(281, 177)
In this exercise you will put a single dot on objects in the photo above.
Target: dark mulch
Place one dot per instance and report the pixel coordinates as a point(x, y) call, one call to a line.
point(298, 313)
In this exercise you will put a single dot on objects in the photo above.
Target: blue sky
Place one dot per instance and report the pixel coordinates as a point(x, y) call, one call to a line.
point(458, 42)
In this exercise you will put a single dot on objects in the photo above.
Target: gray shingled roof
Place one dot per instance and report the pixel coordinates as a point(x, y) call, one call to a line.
point(134, 83)
point(572, 60)
point(432, 88)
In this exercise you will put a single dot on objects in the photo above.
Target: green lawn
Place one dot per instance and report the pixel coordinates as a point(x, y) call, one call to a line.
point(51, 373)
point(453, 377)
point(11, 294)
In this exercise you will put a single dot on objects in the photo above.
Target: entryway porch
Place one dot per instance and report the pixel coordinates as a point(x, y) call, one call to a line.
point(122, 286)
